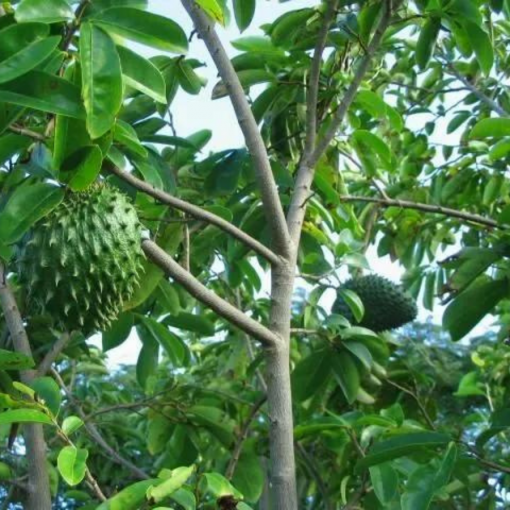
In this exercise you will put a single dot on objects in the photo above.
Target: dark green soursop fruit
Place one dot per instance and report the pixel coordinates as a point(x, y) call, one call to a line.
point(387, 306)
point(83, 261)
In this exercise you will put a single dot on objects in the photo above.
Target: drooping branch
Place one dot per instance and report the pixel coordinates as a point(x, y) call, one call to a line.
point(39, 497)
point(204, 295)
point(269, 191)
point(305, 174)
point(436, 209)
point(96, 435)
point(199, 213)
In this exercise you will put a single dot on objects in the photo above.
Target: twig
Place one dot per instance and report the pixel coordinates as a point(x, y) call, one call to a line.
point(27, 132)
point(243, 435)
point(186, 249)
point(204, 295)
point(437, 209)
point(313, 82)
point(96, 435)
point(198, 213)
point(53, 354)
point(477, 92)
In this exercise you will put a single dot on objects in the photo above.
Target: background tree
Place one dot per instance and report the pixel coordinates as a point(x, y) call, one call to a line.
point(335, 162)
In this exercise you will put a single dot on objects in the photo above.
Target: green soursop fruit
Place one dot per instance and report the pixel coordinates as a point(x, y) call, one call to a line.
point(83, 261)
point(387, 306)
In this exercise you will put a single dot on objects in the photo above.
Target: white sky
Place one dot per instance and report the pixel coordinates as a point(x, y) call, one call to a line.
point(193, 113)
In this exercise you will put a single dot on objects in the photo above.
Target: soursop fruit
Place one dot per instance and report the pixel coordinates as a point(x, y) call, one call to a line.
point(83, 261)
point(387, 305)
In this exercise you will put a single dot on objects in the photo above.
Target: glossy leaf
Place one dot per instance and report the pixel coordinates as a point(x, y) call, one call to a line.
point(24, 416)
point(44, 11)
point(48, 391)
point(346, 374)
point(130, 498)
point(178, 478)
point(101, 79)
point(384, 480)
point(81, 168)
point(71, 424)
point(28, 204)
point(144, 27)
point(310, 375)
point(491, 127)
point(427, 41)
point(142, 74)
point(118, 332)
point(213, 9)
point(244, 11)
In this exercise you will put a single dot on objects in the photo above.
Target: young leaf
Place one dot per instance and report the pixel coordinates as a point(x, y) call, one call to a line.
point(71, 463)
point(213, 9)
point(130, 498)
point(101, 79)
point(170, 485)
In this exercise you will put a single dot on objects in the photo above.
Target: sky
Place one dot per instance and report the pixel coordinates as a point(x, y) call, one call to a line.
point(193, 113)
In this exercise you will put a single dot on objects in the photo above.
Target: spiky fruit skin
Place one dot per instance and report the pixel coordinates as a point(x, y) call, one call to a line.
point(387, 306)
point(83, 261)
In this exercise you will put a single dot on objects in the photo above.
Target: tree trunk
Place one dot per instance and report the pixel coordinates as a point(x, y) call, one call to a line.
point(283, 467)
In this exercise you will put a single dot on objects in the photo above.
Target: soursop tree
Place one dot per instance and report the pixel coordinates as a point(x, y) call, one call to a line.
point(371, 129)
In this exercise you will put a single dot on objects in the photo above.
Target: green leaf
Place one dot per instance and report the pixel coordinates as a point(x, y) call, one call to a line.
point(174, 347)
point(310, 374)
point(346, 374)
point(144, 27)
point(28, 58)
point(27, 205)
point(470, 386)
point(482, 45)
point(354, 303)
point(495, 126)
point(81, 168)
point(248, 78)
point(427, 41)
point(191, 322)
point(384, 481)
point(44, 11)
point(188, 78)
point(469, 307)
point(125, 134)
point(244, 11)
point(370, 141)
point(400, 446)
point(217, 423)
point(71, 424)
point(14, 361)
point(213, 9)
point(16, 37)
point(249, 477)
point(72, 464)
point(142, 74)
point(44, 92)
point(360, 351)
point(148, 358)
point(118, 332)
point(169, 486)
point(11, 144)
point(101, 79)
point(48, 391)
point(24, 416)
point(426, 481)
point(218, 486)
point(130, 498)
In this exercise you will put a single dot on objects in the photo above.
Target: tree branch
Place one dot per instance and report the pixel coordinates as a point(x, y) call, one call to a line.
point(437, 209)
point(304, 179)
point(39, 497)
point(96, 435)
point(243, 435)
point(314, 80)
point(269, 191)
point(53, 354)
point(199, 214)
point(478, 93)
point(27, 132)
point(209, 298)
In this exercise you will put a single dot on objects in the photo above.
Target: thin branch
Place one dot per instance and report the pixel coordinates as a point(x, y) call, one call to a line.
point(186, 252)
point(199, 214)
point(477, 92)
point(436, 209)
point(53, 354)
point(209, 298)
point(305, 173)
point(27, 132)
point(314, 80)
point(269, 191)
point(243, 435)
point(350, 94)
point(96, 435)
